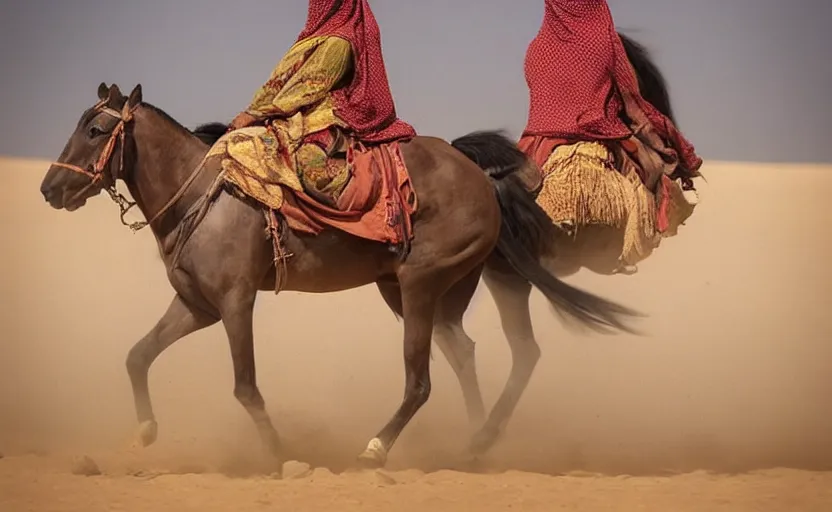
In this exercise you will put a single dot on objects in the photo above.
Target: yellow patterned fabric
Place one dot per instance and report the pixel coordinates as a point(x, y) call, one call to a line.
point(295, 103)
point(323, 177)
point(252, 161)
point(581, 187)
point(301, 83)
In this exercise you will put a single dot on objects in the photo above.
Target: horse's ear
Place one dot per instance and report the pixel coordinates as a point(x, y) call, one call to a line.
point(103, 91)
point(135, 96)
point(114, 94)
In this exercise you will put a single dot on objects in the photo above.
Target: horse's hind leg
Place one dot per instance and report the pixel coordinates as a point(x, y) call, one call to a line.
point(178, 321)
point(392, 295)
point(451, 338)
point(237, 317)
point(511, 295)
point(457, 346)
point(419, 298)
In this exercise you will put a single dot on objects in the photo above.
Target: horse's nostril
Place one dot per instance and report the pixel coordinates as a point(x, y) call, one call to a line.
point(45, 191)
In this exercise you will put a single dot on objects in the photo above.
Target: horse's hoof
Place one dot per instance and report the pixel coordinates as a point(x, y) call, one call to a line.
point(469, 463)
point(367, 461)
point(146, 434)
point(375, 456)
point(293, 469)
point(482, 441)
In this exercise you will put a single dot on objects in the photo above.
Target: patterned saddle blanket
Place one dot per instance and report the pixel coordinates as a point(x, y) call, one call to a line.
point(584, 183)
point(327, 179)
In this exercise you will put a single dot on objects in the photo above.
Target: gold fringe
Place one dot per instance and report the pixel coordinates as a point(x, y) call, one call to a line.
point(640, 233)
point(582, 187)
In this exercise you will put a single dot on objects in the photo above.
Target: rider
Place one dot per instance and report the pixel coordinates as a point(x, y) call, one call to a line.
point(332, 81)
point(587, 117)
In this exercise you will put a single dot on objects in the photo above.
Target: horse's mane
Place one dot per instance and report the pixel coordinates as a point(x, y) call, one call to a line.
point(161, 113)
point(651, 82)
point(209, 133)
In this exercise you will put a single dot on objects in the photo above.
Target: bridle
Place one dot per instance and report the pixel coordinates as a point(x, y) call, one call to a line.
point(104, 159)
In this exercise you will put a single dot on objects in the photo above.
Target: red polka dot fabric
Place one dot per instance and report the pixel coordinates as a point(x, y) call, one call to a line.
point(578, 76)
point(366, 104)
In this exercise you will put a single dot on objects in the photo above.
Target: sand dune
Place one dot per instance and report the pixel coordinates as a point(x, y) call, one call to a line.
point(735, 374)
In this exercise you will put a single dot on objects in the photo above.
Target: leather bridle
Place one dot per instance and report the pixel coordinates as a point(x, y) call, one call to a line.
point(97, 173)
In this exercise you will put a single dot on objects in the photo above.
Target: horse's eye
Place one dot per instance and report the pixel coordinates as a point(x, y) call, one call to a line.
point(94, 131)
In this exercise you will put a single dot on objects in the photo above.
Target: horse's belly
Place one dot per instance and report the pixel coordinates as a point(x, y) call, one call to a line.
point(329, 262)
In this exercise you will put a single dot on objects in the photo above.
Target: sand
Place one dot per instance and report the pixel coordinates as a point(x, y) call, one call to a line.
point(723, 406)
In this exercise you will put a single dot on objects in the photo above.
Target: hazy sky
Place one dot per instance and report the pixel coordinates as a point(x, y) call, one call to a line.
point(749, 79)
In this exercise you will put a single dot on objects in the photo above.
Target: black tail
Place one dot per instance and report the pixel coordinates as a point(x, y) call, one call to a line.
point(651, 82)
point(527, 232)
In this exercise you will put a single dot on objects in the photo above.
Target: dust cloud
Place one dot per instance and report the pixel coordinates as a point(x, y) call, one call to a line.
point(735, 373)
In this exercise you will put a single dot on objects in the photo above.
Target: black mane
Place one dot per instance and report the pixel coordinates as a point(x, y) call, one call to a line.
point(209, 133)
point(651, 82)
point(492, 150)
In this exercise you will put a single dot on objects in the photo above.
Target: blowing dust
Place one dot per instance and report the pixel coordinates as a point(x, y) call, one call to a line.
point(735, 371)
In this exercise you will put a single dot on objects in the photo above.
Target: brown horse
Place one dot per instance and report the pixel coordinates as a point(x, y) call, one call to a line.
point(217, 255)
point(596, 248)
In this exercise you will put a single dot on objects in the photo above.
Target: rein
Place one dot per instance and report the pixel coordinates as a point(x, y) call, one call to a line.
point(97, 173)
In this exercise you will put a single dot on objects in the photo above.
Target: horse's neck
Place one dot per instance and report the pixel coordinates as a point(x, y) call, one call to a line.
point(166, 156)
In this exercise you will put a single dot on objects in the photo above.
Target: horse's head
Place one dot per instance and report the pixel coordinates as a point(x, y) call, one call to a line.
point(93, 158)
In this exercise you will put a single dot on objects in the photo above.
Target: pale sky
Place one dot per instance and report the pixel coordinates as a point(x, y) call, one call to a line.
point(749, 79)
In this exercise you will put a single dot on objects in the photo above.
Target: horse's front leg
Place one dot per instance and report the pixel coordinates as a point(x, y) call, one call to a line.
point(237, 317)
point(177, 322)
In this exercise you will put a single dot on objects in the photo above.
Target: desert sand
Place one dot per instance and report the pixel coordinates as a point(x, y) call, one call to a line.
point(723, 405)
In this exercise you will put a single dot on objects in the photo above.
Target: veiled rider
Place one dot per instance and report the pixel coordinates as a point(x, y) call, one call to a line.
point(332, 82)
point(606, 155)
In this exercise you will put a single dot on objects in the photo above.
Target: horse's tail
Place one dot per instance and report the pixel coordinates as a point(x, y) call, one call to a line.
point(651, 82)
point(526, 232)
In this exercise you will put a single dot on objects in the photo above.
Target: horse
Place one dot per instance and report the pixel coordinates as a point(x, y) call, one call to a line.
point(217, 257)
point(595, 247)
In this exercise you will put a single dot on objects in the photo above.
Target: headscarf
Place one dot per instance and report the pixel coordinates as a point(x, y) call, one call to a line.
point(366, 104)
point(580, 81)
